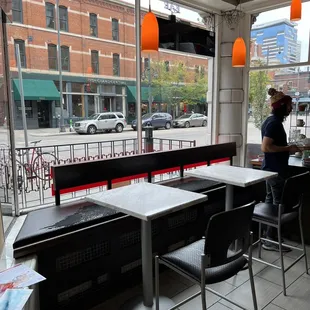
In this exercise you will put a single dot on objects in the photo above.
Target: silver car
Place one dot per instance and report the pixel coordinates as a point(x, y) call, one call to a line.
point(190, 120)
point(107, 122)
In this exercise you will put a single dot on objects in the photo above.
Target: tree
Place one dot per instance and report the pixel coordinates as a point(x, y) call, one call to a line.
point(176, 83)
point(258, 96)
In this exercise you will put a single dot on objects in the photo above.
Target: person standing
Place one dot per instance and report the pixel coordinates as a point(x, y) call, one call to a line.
point(276, 151)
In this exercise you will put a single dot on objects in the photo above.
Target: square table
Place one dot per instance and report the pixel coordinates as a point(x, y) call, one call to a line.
point(231, 176)
point(147, 201)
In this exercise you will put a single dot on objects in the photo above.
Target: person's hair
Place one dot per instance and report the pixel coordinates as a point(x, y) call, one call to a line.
point(272, 91)
point(281, 112)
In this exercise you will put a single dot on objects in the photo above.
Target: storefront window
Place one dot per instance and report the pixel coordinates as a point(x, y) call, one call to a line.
point(77, 106)
point(91, 105)
point(119, 104)
point(28, 109)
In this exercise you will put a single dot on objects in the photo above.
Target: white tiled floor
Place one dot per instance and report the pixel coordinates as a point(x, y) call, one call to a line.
point(267, 282)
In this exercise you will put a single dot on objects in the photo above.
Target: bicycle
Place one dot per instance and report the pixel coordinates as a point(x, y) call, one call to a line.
point(39, 164)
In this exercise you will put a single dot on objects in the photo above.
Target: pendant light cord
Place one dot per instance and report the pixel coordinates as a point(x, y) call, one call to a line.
point(149, 5)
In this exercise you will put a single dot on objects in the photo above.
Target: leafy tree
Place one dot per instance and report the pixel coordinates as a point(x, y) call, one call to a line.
point(176, 84)
point(258, 96)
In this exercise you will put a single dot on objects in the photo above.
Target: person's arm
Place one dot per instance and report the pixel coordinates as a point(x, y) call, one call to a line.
point(269, 147)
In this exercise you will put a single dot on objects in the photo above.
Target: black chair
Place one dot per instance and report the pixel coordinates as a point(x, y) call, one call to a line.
point(210, 260)
point(289, 209)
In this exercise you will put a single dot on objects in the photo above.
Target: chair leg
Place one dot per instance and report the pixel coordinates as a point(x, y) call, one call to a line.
point(252, 285)
point(281, 259)
point(156, 283)
point(203, 285)
point(303, 240)
point(260, 242)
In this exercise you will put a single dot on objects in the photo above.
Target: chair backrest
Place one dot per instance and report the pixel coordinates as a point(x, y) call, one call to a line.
point(223, 230)
point(293, 191)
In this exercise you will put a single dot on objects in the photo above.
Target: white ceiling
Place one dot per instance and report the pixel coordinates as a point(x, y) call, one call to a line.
point(250, 6)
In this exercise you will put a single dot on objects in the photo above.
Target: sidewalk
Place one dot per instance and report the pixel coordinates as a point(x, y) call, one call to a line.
point(47, 132)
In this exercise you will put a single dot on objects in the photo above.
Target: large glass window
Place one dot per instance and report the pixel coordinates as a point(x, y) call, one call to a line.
point(95, 61)
point(115, 29)
point(116, 65)
point(275, 40)
point(65, 58)
point(17, 11)
point(22, 52)
point(93, 25)
point(52, 57)
point(50, 15)
point(63, 18)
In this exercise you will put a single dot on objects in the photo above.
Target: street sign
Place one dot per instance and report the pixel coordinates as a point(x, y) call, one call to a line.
point(172, 7)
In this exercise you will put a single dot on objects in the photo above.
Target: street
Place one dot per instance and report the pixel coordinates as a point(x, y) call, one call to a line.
point(51, 136)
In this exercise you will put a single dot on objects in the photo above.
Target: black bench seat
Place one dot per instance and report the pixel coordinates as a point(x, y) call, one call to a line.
point(49, 223)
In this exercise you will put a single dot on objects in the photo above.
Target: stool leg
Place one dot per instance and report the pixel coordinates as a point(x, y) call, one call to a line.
point(156, 283)
point(260, 242)
point(203, 285)
point(281, 259)
point(303, 240)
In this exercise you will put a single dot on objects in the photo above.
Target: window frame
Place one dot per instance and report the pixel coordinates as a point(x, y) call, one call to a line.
point(94, 52)
point(50, 45)
point(22, 51)
point(50, 5)
point(64, 20)
point(115, 29)
point(93, 26)
point(116, 57)
point(65, 48)
point(19, 10)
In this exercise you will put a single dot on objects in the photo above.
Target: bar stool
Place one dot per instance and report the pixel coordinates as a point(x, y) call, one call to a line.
point(209, 260)
point(289, 209)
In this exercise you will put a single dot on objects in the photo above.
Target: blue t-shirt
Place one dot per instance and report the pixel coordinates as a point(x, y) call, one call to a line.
point(277, 161)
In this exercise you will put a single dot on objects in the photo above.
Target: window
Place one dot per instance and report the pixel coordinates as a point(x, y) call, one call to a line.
point(112, 116)
point(103, 116)
point(63, 18)
point(95, 61)
point(115, 30)
point(93, 25)
point(52, 57)
point(50, 15)
point(120, 115)
point(17, 11)
point(116, 69)
point(28, 109)
point(22, 52)
point(65, 58)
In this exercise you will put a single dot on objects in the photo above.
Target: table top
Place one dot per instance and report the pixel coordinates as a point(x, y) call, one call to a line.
point(231, 175)
point(146, 201)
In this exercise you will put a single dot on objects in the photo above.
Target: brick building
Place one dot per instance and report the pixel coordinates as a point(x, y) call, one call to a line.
point(98, 58)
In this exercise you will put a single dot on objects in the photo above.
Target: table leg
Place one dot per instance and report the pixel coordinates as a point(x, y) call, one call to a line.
point(147, 262)
point(229, 200)
point(148, 302)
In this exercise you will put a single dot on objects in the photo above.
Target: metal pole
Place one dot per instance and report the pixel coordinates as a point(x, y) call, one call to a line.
point(150, 82)
point(62, 125)
point(21, 92)
point(138, 74)
point(10, 102)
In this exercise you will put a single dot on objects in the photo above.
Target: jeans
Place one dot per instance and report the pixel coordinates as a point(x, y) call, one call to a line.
point(274, 189)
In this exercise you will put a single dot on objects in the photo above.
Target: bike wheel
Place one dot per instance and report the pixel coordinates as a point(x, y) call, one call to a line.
point(41, 166)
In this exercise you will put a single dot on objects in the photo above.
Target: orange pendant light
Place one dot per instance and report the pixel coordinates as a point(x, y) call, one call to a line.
point(239, 53)
point(296, 10)
point(149, 33)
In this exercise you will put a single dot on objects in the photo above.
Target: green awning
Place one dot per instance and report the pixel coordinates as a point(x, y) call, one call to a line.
point(36, 90)
point(131, 94)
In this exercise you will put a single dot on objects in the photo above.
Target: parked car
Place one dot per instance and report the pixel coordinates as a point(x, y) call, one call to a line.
point(191, 120)
point(107, 122)
point(156, 120)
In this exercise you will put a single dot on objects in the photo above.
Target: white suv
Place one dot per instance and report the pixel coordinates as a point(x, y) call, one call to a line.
point(107, 122)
